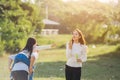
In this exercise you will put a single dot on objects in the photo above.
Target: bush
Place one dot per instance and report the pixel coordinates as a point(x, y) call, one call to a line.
point(118, 48)
point(14, 46)
point(62, 46)
point(113, 41)
point(1, 48)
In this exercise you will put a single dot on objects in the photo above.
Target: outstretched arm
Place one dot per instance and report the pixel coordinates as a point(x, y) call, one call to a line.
point(44, 47)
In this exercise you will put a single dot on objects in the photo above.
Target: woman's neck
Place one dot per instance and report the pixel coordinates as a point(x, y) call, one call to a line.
point(76, 41)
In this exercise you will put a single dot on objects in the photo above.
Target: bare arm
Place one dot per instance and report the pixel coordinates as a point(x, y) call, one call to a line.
point(32, 60)
point(10, 61)
point(10, 64)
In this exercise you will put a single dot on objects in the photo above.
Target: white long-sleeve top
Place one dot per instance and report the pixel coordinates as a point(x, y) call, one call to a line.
point(42, 47)
point(78, 51)
point(23, 66)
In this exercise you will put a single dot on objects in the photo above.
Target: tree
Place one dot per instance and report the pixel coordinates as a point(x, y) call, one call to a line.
point(89, 16)
point(18, 21)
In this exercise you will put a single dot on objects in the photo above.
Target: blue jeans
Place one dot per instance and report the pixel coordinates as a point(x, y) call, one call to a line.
point(11, 78)
point(31, 76)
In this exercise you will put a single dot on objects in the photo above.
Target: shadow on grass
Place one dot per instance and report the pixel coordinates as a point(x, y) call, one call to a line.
point(101, 67)
point(50, 69)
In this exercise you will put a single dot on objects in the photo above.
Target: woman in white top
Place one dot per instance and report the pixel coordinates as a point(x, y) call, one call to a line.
point(34, 56)
point(76, 55)
point(20, 70)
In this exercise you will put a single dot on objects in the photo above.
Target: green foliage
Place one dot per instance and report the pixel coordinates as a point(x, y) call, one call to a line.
point(18, 21)
point(118, 48)
point(90, 16)
point(2, 48)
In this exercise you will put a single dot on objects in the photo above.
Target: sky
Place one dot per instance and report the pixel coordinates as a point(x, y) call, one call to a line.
point(104, 1)
point(32, 1)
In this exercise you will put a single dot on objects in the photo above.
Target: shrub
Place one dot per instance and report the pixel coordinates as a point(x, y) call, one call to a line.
point(118, 48)
point(1, 48)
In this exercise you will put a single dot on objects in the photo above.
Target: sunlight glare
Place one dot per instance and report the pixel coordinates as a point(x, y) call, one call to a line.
point(104, 1)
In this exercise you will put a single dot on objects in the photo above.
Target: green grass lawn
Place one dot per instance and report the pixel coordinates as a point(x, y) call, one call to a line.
point(103, 64)
point(59, 40)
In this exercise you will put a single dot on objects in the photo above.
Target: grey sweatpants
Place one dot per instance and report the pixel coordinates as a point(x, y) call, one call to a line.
point(20, 75)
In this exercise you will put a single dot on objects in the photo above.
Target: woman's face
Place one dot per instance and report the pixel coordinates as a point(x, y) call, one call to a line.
point(75, 35)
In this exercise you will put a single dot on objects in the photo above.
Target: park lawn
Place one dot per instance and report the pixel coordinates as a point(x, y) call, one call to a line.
point(59, 40)
point(103, 64)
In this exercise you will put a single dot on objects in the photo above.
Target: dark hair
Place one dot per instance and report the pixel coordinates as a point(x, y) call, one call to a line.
point(29, 45)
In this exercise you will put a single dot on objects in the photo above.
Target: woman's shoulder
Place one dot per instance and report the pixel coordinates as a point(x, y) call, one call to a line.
point(12, 56)
point(67, 43)
point(35, 54)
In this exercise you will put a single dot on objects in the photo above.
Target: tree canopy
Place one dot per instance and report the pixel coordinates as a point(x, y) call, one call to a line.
point(18, 21)
point(97, 20)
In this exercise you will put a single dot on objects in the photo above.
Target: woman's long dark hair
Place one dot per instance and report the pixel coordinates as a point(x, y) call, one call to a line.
point(29, 45)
